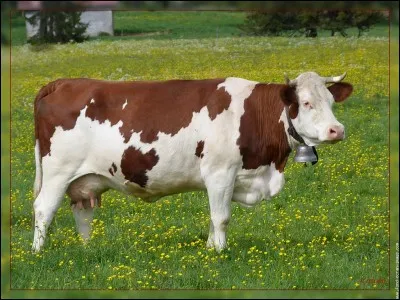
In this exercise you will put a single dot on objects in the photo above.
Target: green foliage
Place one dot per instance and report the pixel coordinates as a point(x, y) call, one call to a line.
point(57, 27)
point(364, 21)
point(275, 24)
point(308, 23)
point(336, 21)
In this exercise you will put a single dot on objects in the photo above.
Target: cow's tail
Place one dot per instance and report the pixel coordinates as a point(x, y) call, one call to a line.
point(44, 91)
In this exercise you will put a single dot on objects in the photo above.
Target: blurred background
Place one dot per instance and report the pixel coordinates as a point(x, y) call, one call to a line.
point(107, 18)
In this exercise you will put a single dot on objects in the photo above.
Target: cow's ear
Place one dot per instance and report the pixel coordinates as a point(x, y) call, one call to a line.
point(288, 95)
point(341, 91)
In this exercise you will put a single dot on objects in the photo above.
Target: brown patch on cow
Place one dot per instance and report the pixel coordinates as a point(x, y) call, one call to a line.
point(294, 110)
point(341, 91)
point(218, 101)
point(135, 164)
point(263, 139)
point(289, 97)
point(151, 107)
point(113, 170)
point(154, 107)
point(199, 149)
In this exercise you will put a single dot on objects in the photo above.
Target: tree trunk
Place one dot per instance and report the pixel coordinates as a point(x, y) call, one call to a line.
point(51, 31)
point(42, 25)
point(311, 32)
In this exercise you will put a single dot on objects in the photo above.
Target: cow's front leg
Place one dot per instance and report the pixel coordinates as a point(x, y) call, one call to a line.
point(220, 190)
point(210, 240)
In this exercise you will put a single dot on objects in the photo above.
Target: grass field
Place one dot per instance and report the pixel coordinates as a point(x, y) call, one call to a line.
point(327, 229)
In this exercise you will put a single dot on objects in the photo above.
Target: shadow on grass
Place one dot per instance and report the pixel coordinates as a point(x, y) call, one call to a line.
point(40, 47)
point(131, 32)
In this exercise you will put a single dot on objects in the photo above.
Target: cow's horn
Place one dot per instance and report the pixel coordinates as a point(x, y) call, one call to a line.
point(288, 81)
point(334, 79)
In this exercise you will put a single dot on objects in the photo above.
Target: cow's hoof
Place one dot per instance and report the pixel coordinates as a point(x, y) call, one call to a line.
point(219, 247)
point(35, 249)
point(210, 243)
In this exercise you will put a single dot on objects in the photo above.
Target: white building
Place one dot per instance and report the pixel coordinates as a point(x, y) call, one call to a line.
point(97, 14)
point(99, 22)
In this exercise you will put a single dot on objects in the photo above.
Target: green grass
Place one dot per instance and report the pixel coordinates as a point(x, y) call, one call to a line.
point(327, 229)
point(164, 25)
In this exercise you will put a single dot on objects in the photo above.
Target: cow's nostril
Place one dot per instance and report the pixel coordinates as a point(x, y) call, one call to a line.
point(335, 133)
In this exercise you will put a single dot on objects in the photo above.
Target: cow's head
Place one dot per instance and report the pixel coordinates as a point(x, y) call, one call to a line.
point(310, 106)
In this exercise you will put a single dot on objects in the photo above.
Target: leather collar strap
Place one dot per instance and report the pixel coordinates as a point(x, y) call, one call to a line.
point(291, 129)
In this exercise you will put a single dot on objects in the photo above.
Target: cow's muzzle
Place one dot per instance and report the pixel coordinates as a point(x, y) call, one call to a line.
point(335, 133)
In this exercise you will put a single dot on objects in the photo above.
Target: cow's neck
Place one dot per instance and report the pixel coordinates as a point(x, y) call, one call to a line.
point(263, 134)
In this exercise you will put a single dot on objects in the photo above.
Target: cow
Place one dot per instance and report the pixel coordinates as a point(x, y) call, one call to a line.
point(150, 139)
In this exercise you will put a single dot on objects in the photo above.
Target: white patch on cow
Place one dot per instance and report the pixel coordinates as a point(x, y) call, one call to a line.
point(252, 186)
point(90, 147)
point(126, 102)
point(238, 88)
point(92, 101)
point(38, 177)
point(276, 181)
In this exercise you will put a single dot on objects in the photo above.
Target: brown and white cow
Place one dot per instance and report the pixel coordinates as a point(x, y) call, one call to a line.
point(152, 139)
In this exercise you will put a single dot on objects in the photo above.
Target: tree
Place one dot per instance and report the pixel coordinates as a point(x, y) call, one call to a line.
point(57, 27)
point(271, 24)
point(308, 23)
point(365, 20)
point(336, 21)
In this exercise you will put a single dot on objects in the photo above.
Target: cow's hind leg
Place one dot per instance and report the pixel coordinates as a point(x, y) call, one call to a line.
point(45, 206)
point(83, 219)
point(83, 210)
